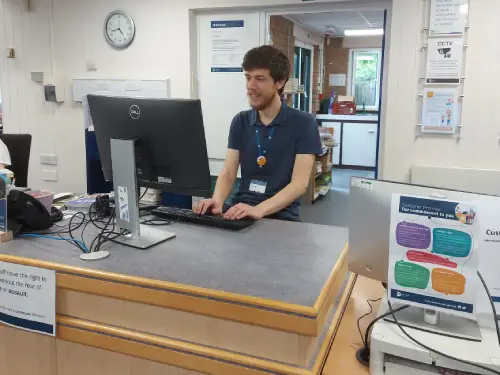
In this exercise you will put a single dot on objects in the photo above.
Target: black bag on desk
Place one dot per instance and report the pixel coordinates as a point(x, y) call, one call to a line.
point(26, 213)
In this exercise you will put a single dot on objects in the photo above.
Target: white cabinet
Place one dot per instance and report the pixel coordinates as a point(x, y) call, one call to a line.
point(359, 144)
point(336, 136)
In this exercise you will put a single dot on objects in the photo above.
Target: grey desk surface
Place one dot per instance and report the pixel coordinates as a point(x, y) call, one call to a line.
point(276, 260)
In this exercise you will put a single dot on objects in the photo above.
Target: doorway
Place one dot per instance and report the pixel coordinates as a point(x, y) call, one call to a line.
point(303, 58)
point(337, 57)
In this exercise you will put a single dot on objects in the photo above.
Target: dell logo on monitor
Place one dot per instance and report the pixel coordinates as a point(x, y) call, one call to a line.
point(134, 112)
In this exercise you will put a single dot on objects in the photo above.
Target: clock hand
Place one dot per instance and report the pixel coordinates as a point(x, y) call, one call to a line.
point(120, 30)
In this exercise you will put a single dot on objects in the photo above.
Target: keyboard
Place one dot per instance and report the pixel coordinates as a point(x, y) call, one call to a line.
point(188, 216)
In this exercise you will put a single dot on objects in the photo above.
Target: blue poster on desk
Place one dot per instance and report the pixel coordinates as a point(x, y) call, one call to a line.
point(3, 203)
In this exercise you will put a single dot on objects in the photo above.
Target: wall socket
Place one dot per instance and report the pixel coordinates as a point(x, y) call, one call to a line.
point(48, 159)
point(48, 175)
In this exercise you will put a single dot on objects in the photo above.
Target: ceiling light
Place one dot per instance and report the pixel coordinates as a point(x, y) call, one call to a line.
point(364, 32)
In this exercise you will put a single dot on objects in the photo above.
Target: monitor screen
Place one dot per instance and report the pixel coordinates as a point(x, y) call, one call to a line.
point(170, 145)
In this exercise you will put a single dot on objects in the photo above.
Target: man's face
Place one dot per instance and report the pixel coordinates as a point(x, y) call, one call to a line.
point(261, 88)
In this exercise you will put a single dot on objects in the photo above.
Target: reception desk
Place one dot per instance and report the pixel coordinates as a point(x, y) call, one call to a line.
point(267, 299)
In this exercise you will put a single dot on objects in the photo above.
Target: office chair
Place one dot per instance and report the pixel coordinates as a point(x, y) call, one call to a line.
point(19, 146)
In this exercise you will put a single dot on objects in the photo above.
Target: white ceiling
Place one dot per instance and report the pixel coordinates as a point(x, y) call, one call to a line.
point(340, 20)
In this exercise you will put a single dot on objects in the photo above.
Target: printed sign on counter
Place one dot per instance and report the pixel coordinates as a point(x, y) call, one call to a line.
point(228, 47)
point(440, 111)
point(448, 17)
point(444, 60)
point(433, 257)
point(490, 246)
point(28, 298)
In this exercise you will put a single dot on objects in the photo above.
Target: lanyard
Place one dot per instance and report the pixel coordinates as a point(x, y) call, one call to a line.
point(263, 149)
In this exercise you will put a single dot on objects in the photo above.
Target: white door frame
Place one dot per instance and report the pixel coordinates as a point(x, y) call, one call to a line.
point(310, 47)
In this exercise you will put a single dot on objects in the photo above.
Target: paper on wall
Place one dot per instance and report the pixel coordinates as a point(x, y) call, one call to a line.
point(433, 254)
point(228, 47)
point(440, 110)
point(448, 17)
point(444, 60)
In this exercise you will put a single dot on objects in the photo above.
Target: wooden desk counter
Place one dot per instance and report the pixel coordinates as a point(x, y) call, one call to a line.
point(268, 298)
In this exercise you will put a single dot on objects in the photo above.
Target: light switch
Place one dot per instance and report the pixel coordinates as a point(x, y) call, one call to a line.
point(48, 159)
point(48, 175)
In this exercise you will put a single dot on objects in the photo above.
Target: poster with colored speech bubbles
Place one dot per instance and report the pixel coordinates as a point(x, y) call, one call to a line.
point(433, 256)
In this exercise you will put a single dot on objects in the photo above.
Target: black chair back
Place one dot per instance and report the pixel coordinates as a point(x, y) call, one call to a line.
point(19, 146)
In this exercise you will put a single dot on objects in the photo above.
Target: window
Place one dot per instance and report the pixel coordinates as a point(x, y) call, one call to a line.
point(364, 77)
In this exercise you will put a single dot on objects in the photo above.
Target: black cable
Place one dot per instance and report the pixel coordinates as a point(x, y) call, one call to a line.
point(157, 222)
point(70, 229)
point(492, 305)
point(99, 237)
point(96, 219)
point(363, 354)
point(369, 302)
point(392, 312)
point(143, 194)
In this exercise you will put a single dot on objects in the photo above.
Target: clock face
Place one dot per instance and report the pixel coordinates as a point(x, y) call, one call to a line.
point(119, 29)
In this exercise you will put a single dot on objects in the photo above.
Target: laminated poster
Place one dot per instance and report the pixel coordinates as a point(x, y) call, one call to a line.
point(433, 257)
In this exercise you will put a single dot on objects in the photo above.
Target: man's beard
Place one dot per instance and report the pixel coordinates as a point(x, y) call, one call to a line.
point(266, 103)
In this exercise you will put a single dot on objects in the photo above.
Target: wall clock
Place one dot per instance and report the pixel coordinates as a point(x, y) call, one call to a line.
point(119, 29)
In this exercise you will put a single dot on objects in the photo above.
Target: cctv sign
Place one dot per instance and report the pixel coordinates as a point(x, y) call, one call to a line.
point(444, 60)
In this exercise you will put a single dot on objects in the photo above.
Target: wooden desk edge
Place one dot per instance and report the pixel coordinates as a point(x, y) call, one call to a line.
point(187, 355)
point(164, 285)
point(252, 310)
point(320, 301)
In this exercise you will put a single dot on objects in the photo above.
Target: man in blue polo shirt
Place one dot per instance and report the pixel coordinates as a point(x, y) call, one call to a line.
point(275, 145)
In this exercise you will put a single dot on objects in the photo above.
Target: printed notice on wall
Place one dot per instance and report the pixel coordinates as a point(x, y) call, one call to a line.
point(433, 257)
point(28, 298)
point(489, 242)
point(440, 111)
point(444, 60)
point(228, 47)
point(448, 17)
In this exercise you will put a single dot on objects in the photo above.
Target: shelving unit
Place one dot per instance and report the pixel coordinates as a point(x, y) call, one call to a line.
point(321, 175)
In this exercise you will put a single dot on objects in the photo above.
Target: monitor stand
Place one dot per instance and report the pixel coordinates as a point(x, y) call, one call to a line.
point(438, 323)
point(127, 200)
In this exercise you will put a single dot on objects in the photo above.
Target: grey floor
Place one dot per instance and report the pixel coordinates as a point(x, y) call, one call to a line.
point(332, 208)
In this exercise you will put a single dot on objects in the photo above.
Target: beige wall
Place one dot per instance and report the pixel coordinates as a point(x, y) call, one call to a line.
point(45, 40)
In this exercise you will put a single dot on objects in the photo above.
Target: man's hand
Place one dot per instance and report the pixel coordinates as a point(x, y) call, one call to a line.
point(241, 210)
point(207, 205)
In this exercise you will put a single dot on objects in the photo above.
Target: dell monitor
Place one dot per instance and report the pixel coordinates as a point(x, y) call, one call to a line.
point(170, 145)
point(153, 143)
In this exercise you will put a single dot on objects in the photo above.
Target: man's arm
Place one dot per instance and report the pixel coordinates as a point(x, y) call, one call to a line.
point(227, 176)
point(296, 188)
